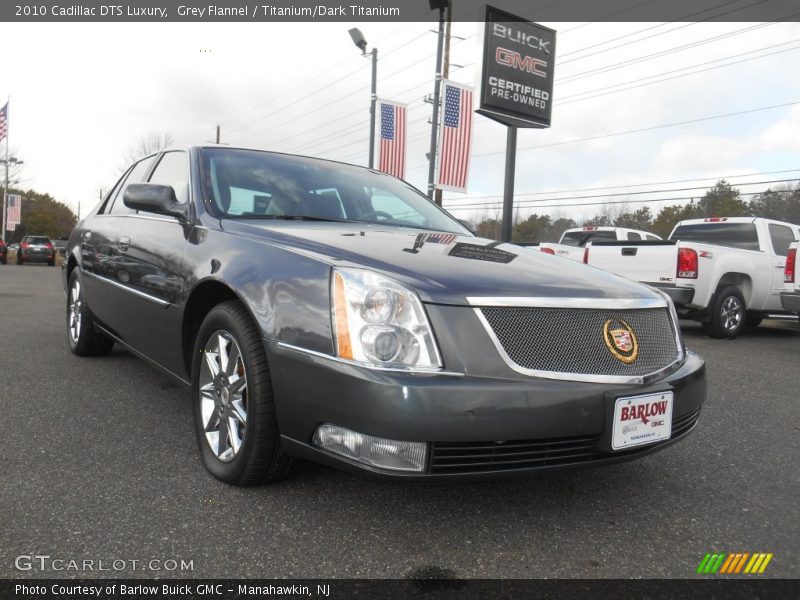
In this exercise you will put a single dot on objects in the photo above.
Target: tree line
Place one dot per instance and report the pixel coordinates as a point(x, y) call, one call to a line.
point(722, 200)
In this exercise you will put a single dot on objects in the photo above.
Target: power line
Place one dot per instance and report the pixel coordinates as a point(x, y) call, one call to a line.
point(528, 203)
point(647, 201)
point(634, 185)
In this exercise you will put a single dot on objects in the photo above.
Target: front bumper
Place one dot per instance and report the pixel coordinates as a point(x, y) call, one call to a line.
point(791, 302)
point(444, 410)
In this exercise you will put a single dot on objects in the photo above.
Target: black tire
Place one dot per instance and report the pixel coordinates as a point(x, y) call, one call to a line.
point(51, 263)
point(87, 341)
point(728, 314)
point(260, 457)
point(19, 260)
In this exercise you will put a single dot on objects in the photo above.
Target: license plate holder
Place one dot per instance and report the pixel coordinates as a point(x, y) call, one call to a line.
point(641, 420)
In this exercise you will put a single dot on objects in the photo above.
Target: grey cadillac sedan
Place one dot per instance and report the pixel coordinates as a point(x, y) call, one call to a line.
point(329, 312)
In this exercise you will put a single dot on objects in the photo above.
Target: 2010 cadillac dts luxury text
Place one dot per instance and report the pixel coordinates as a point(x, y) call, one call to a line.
point(325, 311)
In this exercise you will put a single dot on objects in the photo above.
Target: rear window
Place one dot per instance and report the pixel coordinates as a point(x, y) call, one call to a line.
point(580, 238)
point(37, 239)
point(732, 235)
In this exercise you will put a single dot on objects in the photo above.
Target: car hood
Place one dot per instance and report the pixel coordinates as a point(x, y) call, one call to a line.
point(444, 268)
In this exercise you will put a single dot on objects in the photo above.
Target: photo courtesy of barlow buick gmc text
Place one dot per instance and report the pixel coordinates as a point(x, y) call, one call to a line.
point(400, 299)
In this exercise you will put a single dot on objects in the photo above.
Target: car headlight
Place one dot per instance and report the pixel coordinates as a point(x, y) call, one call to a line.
point(380, 322)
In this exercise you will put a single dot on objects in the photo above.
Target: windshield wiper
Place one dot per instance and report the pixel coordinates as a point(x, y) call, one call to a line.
point(289, 218)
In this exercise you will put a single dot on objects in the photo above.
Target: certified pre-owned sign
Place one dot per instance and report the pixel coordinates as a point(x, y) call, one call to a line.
point(518, 61)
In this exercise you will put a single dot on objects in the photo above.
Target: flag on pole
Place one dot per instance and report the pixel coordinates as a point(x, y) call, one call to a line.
point(4, 122)
point(14, 210)
point(456, 137)
point(393, 139)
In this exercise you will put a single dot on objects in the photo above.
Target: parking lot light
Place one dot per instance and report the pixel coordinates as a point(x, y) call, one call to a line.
point(361, 43)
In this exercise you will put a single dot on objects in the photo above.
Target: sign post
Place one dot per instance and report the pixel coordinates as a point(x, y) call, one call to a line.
point(517, 85)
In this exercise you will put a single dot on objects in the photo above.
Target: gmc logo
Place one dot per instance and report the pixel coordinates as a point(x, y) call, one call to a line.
point(510, 58)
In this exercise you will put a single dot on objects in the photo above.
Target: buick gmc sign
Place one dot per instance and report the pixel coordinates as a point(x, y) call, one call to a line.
point(518, 61)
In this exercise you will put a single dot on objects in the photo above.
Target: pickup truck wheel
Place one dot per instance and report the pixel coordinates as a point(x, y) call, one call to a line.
point(84, 339)
point(728, 314)
point(234, 406)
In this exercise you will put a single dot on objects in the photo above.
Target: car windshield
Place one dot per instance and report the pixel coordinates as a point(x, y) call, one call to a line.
point(35, 239)
point(261, 185)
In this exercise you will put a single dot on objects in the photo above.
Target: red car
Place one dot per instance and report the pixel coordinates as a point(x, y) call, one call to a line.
point(3, 252)
point(36, 248)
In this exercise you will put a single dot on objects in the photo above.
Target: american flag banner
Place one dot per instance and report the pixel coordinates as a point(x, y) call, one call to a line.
point(14, 215)
point(456, 137)
point(393, 139)
point(4, 122)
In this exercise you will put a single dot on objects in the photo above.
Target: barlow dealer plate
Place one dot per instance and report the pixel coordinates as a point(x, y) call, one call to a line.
point(642, 420)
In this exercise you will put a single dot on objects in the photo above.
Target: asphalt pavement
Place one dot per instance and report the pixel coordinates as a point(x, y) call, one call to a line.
point(99, 463)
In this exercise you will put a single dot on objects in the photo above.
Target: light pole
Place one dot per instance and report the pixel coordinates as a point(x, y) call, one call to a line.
point(361, 42)
point(7, 162)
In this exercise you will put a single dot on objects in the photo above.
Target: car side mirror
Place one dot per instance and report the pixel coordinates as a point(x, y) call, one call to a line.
point(470, 227)
point(154, 198)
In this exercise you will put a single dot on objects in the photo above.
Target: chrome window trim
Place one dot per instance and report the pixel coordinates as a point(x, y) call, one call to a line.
point(158, 301)
point(556, 302)
point(353, 363)
point(589, 377)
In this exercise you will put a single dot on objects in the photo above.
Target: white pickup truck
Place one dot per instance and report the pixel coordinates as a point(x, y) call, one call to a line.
point(572, 241)
point(790, 298)
point(723, 272)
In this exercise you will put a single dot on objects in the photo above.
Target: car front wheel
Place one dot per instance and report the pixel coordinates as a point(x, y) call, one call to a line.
point(234, 406)
point(84, 339)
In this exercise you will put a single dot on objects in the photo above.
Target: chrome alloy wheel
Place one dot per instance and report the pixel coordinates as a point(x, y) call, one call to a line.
point(223, 395)
point(74, 309)
point(732, 313)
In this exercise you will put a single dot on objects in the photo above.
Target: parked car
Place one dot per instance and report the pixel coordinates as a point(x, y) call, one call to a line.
point(36, 248)
point(13, 247)
point(573, 241)
point(329, 312)
point(60, 247)
point(723, 272)
point(790, 298)
point(3, 252)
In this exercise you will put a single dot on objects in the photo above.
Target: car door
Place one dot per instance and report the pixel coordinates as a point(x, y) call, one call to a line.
point(781, 237)
point(150, 251)
point(98, 249)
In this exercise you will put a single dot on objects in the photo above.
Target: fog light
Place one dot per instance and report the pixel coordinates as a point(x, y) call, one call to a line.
point(373, 451)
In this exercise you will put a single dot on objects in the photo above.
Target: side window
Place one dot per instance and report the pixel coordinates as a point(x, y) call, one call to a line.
point(109, 199)
point(136, 175)
point(782, 238)
point(652, 238)
point(173, 170)
point(632, 236)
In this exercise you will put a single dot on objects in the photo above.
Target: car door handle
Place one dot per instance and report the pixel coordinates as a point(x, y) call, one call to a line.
point(123, 243)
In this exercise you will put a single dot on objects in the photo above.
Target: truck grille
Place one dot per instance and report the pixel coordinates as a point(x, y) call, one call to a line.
point(482, 457)
point(568, 340)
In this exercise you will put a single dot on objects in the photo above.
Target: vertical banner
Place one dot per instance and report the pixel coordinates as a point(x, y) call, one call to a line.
point(455, 140)
point(14, 211)
point(4, 121)
point(393, 139)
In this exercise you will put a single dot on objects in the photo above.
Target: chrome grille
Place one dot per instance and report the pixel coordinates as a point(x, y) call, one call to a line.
point(569, 340)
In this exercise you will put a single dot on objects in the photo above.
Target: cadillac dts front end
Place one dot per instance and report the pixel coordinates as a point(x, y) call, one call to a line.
point(498, 386)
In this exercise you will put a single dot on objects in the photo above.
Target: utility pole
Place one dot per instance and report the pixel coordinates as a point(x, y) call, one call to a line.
point(218, 134)
point(436, 92)
point(445, 73)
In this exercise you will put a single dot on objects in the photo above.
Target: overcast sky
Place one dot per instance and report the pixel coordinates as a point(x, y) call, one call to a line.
point(81, 95)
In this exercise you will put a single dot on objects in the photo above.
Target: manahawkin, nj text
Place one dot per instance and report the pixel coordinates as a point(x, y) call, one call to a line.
point(210, 11)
